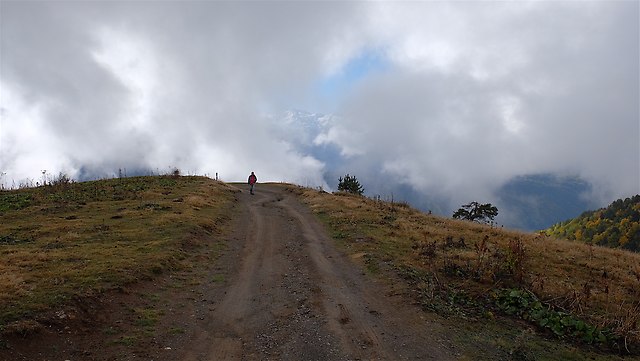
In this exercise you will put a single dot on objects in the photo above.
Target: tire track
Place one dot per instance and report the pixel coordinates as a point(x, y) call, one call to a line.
point(292, 295)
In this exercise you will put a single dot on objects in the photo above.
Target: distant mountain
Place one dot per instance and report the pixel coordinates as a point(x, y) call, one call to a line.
point(535, 202)
point(616, 226)
point(528, 202)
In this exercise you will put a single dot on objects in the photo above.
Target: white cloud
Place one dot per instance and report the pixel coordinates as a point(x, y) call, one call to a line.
point(134, 64)
point(472, 93)
point(483, 93)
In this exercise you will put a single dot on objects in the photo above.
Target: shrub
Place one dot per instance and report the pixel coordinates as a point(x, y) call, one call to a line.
point(527, 306)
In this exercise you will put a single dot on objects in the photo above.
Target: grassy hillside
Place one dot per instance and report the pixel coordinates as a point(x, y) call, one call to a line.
point(577, 292)
point(69, 240)
point(72, 240)
point(616, 226)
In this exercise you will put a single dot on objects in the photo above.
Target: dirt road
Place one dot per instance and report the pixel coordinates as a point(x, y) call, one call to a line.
point(290, 295)
point(279, 291)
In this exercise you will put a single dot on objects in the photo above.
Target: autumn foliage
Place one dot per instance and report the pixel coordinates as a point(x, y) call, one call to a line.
point(617, 226)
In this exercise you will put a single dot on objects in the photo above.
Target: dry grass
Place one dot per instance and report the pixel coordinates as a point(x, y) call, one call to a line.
point(78, 239)
point(470, 261)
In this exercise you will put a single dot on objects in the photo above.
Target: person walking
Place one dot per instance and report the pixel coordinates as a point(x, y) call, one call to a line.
point(252, 181)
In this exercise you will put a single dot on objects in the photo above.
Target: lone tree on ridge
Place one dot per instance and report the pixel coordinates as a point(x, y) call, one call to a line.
point(350, 184)
point(474, 211)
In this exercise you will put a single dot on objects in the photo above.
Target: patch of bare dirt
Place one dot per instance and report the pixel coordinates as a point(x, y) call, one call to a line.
point(280, 291)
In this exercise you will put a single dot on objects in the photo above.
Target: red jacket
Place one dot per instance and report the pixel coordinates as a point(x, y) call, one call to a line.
point(253, 179)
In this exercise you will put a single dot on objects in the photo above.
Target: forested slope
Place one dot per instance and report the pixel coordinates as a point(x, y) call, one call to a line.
point(616, 226)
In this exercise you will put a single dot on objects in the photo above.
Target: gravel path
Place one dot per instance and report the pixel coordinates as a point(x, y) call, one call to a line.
point(290, 295)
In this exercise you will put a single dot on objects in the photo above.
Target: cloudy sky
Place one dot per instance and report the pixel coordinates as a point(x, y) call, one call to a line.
point(448, 98)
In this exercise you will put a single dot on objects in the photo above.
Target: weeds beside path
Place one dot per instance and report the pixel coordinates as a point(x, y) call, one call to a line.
point(579, 301)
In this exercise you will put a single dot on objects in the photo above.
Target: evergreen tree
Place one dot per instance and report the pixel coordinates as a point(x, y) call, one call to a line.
point(350, 184)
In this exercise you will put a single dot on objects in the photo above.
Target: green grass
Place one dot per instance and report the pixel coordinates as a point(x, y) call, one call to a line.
point(218, 278)
point(177, 331)
point(77, 239)
point(147, 317)
point(128, 341)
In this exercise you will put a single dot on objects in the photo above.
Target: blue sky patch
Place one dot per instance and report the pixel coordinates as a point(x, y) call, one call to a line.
point(336, 85)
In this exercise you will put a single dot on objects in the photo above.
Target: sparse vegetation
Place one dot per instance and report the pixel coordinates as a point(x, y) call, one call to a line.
point(580, 293)
point(67, 240)
point(526, 305)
